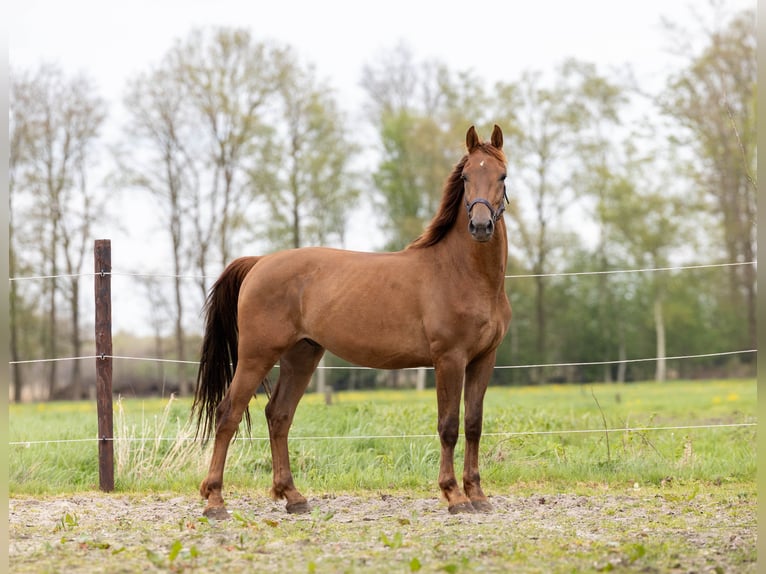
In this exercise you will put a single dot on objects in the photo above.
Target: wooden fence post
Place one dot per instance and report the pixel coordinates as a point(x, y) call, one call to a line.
point(102, 252)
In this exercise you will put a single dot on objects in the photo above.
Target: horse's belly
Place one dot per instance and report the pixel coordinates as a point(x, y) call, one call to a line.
point(378, 348)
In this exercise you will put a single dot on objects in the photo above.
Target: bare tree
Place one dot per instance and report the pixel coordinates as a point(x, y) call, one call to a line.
point(18, 141)
point(231, 81)
point(62, 118)
point(305, 177)
point(160, 129)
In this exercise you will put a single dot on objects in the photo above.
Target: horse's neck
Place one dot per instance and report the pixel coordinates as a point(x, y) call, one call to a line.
point(486, 260)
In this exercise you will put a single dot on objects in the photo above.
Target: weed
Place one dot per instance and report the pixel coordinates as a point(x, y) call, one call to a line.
point(394, 542)
point(635, 551)
point(319, 515)
point(244, 521)
point(175, 550)
point(67, 522)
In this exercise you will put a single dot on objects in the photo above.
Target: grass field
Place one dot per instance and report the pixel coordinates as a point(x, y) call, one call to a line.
point(387, 440)
point(643, 497)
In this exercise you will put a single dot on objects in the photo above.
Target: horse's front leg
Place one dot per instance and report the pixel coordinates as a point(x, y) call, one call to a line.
point(450, 372)
point(477, 378)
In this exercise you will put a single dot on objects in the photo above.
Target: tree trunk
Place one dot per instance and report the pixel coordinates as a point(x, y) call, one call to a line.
point(183, 383)
point(751, 296)
point(659, 326)
point(514, 336)
point(18, 377)
point(225, 218)
point(622, 365)
point(18, 380)
point(321, 376)
point(51, 347)
point(420, 379)
point(75, 384)
point(541, 334)
point(605, 305)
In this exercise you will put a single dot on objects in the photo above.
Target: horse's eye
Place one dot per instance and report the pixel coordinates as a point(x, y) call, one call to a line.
point(502, 177)
point(464, 177)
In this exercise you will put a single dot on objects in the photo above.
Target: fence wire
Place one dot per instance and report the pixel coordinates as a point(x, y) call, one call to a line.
point(520, 276)
point(504, 434)
point(356, 368)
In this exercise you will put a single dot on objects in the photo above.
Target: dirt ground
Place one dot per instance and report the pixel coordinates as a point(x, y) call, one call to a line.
point(636, 530)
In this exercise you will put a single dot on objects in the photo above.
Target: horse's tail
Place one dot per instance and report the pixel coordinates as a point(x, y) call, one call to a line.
point(218, 359)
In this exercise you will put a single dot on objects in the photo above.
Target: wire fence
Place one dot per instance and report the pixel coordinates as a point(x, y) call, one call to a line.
point(339, 367)
point(506, 434)
point(356, 368)
point(518, 276)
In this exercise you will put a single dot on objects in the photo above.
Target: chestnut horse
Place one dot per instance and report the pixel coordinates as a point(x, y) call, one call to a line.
point(440, 302)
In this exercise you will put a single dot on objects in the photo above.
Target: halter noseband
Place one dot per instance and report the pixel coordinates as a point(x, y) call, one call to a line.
point(494, 214)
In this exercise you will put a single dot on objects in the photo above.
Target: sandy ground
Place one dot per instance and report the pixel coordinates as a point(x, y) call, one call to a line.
point(641, 531)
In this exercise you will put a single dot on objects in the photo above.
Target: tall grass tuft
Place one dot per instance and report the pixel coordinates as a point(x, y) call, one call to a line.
point(159, 449)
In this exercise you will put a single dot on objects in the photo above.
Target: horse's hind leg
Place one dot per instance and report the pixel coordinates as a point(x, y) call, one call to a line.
point(295, 369)
point(477, 378)
point(247, 377)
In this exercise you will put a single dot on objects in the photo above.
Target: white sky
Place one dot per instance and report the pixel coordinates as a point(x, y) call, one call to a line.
point(112, 41)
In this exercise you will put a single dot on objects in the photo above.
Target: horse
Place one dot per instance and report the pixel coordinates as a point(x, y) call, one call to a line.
point(440, 303)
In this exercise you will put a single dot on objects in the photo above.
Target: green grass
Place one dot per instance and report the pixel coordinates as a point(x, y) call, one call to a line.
point(386, 440)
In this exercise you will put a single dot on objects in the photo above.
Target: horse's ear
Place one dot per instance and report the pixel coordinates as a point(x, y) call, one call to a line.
point(471, 139)
point(497, 137)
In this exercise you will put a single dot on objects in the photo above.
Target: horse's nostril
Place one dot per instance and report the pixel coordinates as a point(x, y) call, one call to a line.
point(481, 230)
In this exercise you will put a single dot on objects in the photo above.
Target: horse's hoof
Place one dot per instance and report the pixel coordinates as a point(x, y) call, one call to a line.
point(301, 507)
point(216, 513)
point(461, 507)
point(481, 505)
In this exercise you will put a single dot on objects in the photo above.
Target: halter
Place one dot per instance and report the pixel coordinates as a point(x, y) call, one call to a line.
point(494, 214)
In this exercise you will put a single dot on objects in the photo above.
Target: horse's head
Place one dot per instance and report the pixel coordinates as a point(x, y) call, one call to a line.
point(484, 183)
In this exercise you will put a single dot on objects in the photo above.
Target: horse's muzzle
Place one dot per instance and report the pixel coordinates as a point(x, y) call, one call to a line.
point(481, 230)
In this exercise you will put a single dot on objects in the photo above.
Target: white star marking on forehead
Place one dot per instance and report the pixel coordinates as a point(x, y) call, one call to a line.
point(481, 164)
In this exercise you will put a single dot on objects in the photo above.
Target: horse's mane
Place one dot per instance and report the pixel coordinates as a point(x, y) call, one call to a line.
point(451, 202)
